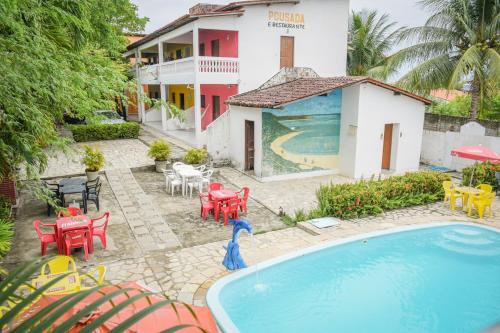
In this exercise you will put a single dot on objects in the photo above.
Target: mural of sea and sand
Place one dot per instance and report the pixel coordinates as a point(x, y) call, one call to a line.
point(302, 136)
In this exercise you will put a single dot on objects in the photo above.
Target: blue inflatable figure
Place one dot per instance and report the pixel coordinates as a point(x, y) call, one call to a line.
point(233, 259)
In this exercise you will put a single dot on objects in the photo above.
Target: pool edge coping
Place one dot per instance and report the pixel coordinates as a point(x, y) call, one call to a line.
point(223, 320)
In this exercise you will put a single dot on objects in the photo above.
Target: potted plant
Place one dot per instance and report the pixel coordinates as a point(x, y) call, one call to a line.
point(195, 156)
point(160, 152)
point(93, 160)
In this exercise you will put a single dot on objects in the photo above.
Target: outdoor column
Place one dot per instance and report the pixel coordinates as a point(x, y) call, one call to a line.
point(163, 109)
point(197, 98)
point(138, 100)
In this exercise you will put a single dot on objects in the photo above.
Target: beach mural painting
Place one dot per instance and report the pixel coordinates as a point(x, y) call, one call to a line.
point(302, 136)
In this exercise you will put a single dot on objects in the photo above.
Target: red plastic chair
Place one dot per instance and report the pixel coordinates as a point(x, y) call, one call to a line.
point(76, 239)
point(231, 207)
point(207, 206)
point(242, 201)
point(215, 186)
point(99, 230)
point(45, 238)
point(71, 211)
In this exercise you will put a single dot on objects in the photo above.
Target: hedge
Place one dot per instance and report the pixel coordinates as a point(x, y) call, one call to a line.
point(482, 173)
point(6, 226)
point(372, 197)
point(82, 133)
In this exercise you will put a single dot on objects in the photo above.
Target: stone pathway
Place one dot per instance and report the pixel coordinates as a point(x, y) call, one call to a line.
point(148, 135)
point(148, 227)
point(127, 153)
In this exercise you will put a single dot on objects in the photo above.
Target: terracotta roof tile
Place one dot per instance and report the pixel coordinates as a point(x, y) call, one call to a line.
point(284, 93)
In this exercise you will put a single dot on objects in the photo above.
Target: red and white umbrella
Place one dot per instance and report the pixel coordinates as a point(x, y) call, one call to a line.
point(477, 153)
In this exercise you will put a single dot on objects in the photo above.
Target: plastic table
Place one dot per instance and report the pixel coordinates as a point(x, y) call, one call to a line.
point(65, 224)
point(467, 192)
point(221, 196)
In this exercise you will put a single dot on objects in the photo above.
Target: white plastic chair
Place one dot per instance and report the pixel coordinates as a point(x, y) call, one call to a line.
point(205, 178)
point(169, 176)
point(194, 183)
point(175, 183)
point(201, 167)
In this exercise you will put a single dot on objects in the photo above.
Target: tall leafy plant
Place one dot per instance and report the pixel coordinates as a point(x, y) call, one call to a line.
point(456, 47)
point(372, 37)
point(57, 57)
point(45, 319)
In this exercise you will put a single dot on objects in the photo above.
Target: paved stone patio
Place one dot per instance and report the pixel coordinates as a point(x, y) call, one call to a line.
point(129, 153)
point(141, 211)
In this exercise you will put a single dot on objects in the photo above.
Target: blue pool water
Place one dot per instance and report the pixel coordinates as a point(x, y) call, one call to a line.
point(434, 279)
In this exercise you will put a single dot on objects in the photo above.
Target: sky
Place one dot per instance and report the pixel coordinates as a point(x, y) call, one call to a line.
point(161, 12)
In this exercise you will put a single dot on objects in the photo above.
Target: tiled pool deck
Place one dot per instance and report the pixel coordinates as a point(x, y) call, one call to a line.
point(161, 240)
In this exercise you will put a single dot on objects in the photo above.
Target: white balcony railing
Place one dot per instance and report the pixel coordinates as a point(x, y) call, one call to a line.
point(206, 65)
point(218, 65)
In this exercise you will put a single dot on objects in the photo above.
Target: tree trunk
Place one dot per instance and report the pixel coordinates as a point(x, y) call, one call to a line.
point(475, 92)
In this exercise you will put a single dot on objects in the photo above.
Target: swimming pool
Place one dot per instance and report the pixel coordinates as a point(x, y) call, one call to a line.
point(433, 278)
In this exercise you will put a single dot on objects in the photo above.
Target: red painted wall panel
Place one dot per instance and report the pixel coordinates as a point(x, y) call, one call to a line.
point(228, 42)
point(224, 91)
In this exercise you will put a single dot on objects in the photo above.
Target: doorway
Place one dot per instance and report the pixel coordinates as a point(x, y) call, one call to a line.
point(215, 107)
point(387, 147)
point(215, 47)
point(286, 51)
point(249, 145)
point(182, 103)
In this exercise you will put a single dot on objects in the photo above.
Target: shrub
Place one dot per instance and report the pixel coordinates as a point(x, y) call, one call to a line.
point(372, 197)
point(159, 150)
point(83, 133)
point(484, 173)
point(93, 159)
point(6, 234)
point(5, 207)
point(195, 156)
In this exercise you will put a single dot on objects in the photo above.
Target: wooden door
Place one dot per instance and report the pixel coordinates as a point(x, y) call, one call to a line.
point(215, 107)
point(386, 150)
point(215, 48)
point(249, 145)
point(286, 53)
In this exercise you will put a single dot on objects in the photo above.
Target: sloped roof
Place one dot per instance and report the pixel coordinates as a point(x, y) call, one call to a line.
point(284, 93)
point(203, 10)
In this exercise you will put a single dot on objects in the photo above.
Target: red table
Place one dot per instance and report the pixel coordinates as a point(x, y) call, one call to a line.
point(221, 196)
point(64, 224)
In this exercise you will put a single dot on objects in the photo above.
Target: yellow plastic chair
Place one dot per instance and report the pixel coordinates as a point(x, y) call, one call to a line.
point(67, 285)
point(451, 194)
point(481, 202)
point(94, 277)
point(485, 187)
point(59, 265)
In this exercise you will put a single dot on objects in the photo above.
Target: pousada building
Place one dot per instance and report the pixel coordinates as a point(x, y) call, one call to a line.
point(263, 85)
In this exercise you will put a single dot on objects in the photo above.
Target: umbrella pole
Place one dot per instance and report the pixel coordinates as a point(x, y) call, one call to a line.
point(472, 175)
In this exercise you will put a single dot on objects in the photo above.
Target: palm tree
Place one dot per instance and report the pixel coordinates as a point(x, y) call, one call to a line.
point(457, 46)
point(371, 38)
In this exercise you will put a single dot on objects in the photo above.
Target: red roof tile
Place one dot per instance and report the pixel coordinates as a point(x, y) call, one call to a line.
point(284, 93)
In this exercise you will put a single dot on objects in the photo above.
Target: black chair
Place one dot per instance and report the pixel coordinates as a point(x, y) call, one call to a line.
point(92, 184)
point(55, 194)
point(93, 195)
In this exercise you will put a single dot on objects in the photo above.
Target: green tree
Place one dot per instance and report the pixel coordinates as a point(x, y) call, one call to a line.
point(372, 37)
point(57, 57)
point(457, 46)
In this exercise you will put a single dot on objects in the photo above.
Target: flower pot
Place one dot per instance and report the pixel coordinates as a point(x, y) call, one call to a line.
point(161, 165)
point(91, 175)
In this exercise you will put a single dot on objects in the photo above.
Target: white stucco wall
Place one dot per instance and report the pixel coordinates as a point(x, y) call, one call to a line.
point(437, 146)
point(226, 137)
point(321, 45)
point(153, 114)
point(237, 144)
point(348, 130)
point(377, 107)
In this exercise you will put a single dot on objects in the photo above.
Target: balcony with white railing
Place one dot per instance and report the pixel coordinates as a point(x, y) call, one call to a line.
point(208, 70)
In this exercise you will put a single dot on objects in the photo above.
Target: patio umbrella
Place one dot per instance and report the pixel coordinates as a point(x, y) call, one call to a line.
point(161, 319)
point(477, 153)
